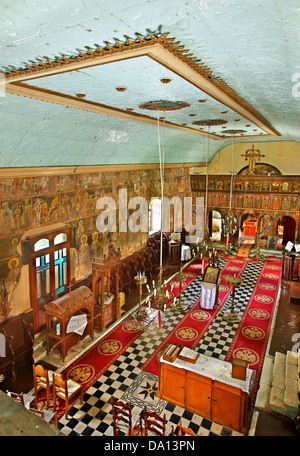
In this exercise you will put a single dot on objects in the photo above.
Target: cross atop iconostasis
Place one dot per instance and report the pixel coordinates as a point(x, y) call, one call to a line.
point(253, 155)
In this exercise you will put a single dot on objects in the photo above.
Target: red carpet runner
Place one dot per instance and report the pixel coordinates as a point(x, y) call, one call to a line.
point(195, 322)
point(244, 248)
point(88, 367)
point(231, 257)
point(251, 338)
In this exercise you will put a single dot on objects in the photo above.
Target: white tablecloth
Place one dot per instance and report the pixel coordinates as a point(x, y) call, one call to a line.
point(208, 295)
point(185, 253)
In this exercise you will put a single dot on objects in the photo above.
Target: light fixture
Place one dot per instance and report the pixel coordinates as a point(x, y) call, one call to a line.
point(165, 80)
point(210, 122)
point(161, 295)
point(230, 226)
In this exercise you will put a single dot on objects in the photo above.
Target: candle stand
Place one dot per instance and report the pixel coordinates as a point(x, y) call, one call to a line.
point(140, 281)
point(234, 282)
point(178, 306)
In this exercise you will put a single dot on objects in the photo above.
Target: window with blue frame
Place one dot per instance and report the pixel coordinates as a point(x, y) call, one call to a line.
point(60, 268)
point(49, 268)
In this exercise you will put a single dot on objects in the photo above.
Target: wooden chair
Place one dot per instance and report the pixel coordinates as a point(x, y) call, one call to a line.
point(42, 379)
point(123, 418)
point(19, 343)
point(17, 397)
point(47, 415)
point(156, 425)
point(23, 399)
point(185, 431)
point(67, 390)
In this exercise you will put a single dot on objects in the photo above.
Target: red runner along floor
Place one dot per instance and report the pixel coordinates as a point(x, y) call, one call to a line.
point(116, 341)
point(251, 338)
point(195, 322)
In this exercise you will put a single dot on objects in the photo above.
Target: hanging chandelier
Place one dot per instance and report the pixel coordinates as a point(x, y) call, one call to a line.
point(161, 296)
point(230, 222)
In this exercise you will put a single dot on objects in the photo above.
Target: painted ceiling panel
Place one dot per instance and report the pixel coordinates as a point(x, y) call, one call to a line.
point(253, 46)
point(100, 84)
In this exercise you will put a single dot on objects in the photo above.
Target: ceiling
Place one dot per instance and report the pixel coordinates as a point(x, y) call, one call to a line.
point(80, 76)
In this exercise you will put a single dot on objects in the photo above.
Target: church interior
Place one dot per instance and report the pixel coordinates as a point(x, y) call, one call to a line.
point(150, 218)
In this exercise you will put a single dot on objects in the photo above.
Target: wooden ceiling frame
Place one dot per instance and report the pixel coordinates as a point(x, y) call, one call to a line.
point(162, 50)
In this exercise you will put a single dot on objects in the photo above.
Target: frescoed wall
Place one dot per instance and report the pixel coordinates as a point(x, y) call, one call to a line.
point(30, 205)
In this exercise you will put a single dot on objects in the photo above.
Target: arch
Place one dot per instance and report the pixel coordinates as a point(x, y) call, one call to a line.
point(261, 169)
point(41, 244)
point(215, 225)
point(244, 229)
point(60, 238)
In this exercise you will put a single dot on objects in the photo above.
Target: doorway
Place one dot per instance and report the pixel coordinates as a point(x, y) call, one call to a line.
point(286, 229)
point(215, 226)
point(248, 226)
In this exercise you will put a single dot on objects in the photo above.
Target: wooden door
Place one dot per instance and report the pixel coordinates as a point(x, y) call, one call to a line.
point(226, 405)
point(289, 229)
point(173, 384)
point(198, 397)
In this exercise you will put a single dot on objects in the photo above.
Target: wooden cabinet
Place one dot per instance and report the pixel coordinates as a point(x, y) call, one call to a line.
point(207, 388)
point(198, 399)
point(226, 405)
point(175, 378)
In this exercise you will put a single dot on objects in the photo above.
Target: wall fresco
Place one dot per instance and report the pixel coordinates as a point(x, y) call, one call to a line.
point(36, 202)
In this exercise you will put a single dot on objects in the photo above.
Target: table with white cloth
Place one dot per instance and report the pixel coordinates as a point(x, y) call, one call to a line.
point(209, 292)
point(185, 253)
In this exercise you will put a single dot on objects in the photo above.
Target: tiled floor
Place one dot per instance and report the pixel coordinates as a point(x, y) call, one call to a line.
point(125, 380)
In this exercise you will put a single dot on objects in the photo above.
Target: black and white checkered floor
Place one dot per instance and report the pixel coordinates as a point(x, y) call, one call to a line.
point(125, 380)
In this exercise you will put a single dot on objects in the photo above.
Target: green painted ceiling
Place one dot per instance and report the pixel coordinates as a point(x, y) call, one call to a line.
point(253, 46)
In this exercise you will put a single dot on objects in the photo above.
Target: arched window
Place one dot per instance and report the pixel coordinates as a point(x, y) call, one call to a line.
point(49, 270)
point(41, 244)
point(61, 237)
point(154, 215)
